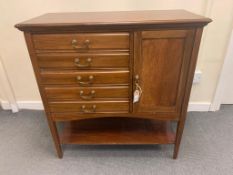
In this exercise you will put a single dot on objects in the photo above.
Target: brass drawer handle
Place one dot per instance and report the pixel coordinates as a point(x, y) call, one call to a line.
point(85, 44)
point(91, 110)
point(85, 83)
point(86, 64)
point(88, 96)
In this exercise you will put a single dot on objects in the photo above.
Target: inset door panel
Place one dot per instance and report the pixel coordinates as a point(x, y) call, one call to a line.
point(161, 66)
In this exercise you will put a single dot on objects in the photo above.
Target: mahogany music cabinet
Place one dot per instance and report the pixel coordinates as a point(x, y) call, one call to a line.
point(115, 77)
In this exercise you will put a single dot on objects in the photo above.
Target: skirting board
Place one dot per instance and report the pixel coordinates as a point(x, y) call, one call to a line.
point(37, 105)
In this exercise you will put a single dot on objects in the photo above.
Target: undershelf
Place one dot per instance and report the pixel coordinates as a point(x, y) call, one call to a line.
point(117, 131)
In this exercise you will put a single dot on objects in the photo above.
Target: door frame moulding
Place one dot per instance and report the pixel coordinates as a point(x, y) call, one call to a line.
point(222, 79)
point(9, 103)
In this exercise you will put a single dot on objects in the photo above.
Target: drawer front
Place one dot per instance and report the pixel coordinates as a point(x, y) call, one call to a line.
point(86, 93)
point(83, 61)
point(85, 78)
point(89, 106)
point(81, 41)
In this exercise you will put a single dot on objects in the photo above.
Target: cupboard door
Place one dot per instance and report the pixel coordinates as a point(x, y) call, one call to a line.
point(161, 63)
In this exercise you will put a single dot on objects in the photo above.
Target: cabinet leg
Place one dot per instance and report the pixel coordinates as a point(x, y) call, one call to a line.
point(179, 132)
point(56, 139)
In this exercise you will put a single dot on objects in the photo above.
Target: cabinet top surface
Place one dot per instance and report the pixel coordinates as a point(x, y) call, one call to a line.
point(113, 18)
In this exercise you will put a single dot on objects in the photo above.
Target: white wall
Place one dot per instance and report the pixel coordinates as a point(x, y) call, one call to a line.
point(225, 86)
point(18, 67)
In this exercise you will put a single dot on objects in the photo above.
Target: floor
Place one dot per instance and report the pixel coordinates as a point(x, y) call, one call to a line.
point(26, 148)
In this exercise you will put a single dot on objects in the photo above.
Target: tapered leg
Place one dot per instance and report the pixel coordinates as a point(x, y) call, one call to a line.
point(179, 132)
point(191, 72)
point(56, 139)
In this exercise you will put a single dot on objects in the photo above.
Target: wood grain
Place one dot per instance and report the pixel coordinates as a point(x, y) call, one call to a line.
point(97, 41)
point(85, 21)
point(101, 106)
point(161, 67)
point(164, 34)
point(73, 93)
point(98, 60)
point(99, 77)
point(117, 131)
point(71, 116)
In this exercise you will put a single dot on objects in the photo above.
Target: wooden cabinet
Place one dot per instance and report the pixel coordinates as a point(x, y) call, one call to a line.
point(90, 67)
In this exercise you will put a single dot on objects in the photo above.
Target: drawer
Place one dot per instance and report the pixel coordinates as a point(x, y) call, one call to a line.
point(81, 41)
point(86, 93)
point(83, 61)
point(89, 106)
point(85, 78)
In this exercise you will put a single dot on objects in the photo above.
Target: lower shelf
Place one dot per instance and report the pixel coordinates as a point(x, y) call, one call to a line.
point(117, 131)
